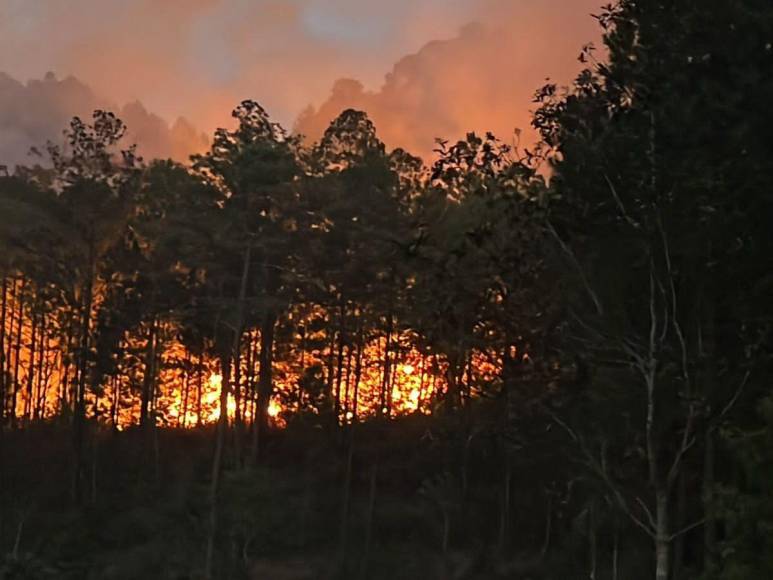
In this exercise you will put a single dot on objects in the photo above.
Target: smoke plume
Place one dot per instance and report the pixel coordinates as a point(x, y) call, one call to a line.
point(37, 112)
point(198, 58)
point(481, 80)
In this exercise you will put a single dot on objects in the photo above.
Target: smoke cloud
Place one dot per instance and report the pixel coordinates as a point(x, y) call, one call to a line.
point(484, 79)
point(198, 58)
point(37, 112)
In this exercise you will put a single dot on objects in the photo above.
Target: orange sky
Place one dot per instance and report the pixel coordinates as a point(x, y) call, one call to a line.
point(425, 72)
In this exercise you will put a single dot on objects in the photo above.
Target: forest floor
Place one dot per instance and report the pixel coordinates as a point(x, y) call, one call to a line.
point(418, 501)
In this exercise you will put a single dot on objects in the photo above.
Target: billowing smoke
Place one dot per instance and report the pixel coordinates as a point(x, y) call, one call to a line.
point(37, 112)
point(198, 58)
point(484, 79)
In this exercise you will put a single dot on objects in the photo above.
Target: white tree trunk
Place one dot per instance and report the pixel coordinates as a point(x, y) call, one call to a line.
point(662, 539)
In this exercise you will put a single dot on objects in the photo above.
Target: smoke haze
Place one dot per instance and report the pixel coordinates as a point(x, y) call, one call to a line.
point(473, 64)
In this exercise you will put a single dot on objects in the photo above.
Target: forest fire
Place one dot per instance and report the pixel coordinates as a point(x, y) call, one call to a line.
point(365, 381)
point(543, 354)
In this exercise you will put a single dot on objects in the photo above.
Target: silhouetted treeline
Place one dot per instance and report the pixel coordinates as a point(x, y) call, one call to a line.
point(548, 363)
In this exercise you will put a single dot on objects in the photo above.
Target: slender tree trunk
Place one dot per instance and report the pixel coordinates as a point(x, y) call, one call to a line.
point(346, 500)
point(330, 377)
point(468, 380)
point(64, 403)
point(186, 390)
point(709, 446)
point(199, 388)
point(548, 529)
point(369, 521)
point(392, 385)
point(149, 377)
point(386, 403)
point(17, 354)
point(237, 384)
point(593, 543)
point(357, 374)
point(249, 395)
point(616, 554)
point(339, 366)
point(28, 402)
point(222, 423)
point(662, 539)
point(79, 416)
point(446, 531)
point(302, 372)
point(3, 310)
point(237, 390)
point(40, 397)
point(116, 401)
point(13, 298)
point(3, 469)
point(348, 382)
point(94, 465)
point(265, 379)
point(422, 381)
point(453, 396)
point(681, 516)
point(504, 521)
point(709, 477)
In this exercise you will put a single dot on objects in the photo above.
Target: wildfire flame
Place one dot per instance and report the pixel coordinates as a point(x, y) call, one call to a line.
point(379, 377)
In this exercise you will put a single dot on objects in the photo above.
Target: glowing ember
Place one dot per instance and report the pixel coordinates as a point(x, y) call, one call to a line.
point(188, 385)
point(412, 404)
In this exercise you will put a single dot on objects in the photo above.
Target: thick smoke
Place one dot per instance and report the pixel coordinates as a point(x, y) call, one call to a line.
point(198, 58)
point(484, 79)
point(37, 112)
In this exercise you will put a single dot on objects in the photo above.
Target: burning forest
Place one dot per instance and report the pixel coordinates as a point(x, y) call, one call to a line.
point(262, 354)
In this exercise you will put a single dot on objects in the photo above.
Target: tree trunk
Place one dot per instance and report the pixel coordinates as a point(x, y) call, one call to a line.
point(709, 448)
point(504, 516)
point(357, 374)
point(662, 539)
point(222, 423)
point(593, 543)
point(3, 310)
point(40, 397)
point(116, 401)
point(199, 388)
point(369, 521)
point(149, 376)
point(217, 460)
point(17, 353)
point(453, 395)
point(186, 390)
point(339, 366)
point(386, 402)
point(237, 391)
point(681, 516)
point(330, 376)
point(79, 403)
point(265, 380)
point(28, 402)
point(710, 526)
point(548, 529)
point(346, 500)
point(302, 369)
point(348, 382)
point(616, 554)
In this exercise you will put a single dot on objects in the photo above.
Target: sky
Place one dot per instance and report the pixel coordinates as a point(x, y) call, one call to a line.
point(421, 68)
